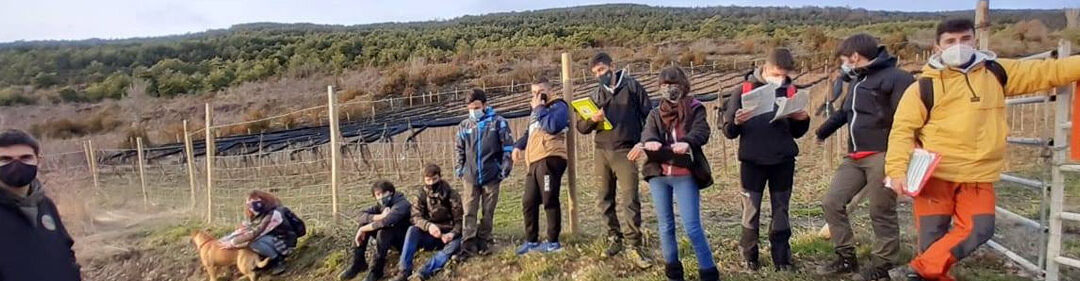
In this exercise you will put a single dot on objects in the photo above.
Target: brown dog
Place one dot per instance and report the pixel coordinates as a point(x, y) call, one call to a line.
point(213, 255)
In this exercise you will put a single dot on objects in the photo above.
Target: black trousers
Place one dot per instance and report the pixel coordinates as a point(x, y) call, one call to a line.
point(542, 188)
point(386, 239)
point(779, 178)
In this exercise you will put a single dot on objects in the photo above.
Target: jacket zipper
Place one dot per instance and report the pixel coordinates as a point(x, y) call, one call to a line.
point(855, 113)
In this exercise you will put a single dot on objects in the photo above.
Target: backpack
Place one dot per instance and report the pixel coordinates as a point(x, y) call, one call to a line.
point(926, 85)
point(297, 224)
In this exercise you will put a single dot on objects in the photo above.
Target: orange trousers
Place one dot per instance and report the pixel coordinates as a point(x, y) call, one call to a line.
point(968, 208)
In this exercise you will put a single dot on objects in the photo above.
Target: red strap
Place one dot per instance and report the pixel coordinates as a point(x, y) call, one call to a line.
point(791, 91)
point(747, 87)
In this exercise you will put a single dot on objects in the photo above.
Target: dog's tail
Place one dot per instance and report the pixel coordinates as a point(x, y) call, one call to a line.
point(262, 263)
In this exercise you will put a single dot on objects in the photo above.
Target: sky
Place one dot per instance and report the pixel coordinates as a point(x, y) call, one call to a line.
point(115, 19)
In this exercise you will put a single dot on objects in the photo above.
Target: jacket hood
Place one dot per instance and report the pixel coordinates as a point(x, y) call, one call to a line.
point(35, 197)
point(618, 81)
point(884, 60)
point(935, 67)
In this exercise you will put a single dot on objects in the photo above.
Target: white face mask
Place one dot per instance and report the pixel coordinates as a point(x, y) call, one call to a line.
point(475, 114)
point(957, 55)
point(775, 80)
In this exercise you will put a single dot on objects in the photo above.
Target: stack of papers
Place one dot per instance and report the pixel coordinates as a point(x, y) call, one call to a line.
point(761, 100)
point(922, 165)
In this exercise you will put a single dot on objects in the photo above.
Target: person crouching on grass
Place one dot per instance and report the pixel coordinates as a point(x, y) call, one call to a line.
point(269, 230)
point(677, 169)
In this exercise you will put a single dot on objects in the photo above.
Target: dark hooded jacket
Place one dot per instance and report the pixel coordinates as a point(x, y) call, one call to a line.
point(762, 142)
point(870, 104)
point(483, 149)
point(34, 244)
point(400, 208)
point(626, 109)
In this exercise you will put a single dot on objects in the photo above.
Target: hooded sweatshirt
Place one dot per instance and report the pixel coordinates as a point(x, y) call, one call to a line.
point(483, 149)
point(35, 243)
point(626, 105)
point(870, 104)
point(967, 123)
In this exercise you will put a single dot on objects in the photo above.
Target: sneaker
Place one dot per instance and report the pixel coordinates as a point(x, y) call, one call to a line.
point(905, 273)
point(841, 265)
point(639, 258)
point(527, 247)
point(613, 250)
point(278, 268)
point(876, 273)
point(550, 247)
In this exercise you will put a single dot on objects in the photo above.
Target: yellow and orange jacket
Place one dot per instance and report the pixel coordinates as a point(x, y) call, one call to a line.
point(967, 121)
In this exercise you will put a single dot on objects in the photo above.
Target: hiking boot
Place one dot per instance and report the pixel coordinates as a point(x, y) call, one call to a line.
point(843, 264)
point(875, 273)
point(613, 250)
point(674, 271)
point(527, 247)
point(639, 258)
point(357, 266)
point(905, 273)
point(753, 265)
point(372, 277)
point(710, 274)
point(785, 268)
point(400, 276)
point(278, 267)
point(549, 247)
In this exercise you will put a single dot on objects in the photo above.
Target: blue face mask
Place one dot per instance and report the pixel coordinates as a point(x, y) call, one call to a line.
point(476, 114)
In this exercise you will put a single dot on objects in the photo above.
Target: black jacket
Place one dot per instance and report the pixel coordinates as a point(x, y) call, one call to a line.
point(626, 109)
point(398, 216)
point(762, 142)
point(697, 135)
point(439, 206)
point(34, 245)
point(869, 106)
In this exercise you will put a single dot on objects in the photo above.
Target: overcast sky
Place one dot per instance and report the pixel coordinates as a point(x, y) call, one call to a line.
point(111, 19)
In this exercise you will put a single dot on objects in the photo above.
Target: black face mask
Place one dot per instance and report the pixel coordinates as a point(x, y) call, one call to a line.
point(18, 174)
point(385, 200)
point(607, 78)
point(673, 93)
point(257, 207)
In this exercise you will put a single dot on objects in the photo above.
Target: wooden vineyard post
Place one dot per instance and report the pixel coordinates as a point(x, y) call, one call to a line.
point(335, 149)
point(93, 163)
point(571, 155)
point(190, 156)
point(209, 164)
point(982, 23)
point(142, 172)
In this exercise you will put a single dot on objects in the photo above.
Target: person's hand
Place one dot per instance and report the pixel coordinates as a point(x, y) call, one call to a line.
point(799, 115)
point(741, 116)
point(819, 141)
point(653, 145)
point(536, 101)
point(381, 216)
point(899, 185)
point(516, 155)
point(359, 236)
point(434, 231)
point(446, 238)
point(599, 116)
point(680, 148)
point(367, 228)
point(636, 153)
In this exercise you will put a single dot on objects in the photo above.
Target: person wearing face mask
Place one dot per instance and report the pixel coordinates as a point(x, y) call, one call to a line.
point(271, 230)
point(35, 244)
point(957, 109)
point(483, 151)
point(436, 225)
point(677, 169)
point(767, 153)
point(625, 104)
point(876, 87)
point(387, 222)
point(543, 148)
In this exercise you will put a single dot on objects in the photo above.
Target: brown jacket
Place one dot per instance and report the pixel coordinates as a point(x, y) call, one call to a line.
point(438, 205)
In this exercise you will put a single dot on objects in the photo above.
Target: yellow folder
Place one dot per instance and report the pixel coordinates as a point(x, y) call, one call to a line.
point(586, 108)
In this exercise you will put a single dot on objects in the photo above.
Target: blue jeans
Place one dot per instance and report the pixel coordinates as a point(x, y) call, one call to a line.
point(417, 239)
point(267, 246)
point(685, 190)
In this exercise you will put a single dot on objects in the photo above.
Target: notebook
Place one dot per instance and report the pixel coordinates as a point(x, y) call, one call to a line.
point(920, 168)
point(586, 108)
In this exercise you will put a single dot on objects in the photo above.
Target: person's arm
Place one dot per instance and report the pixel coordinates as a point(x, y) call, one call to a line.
point(523, 141)
point(458, 211)
point(699, 128)
point(1027, 76)
point(398, 212)
point(651, 131)
point(910, 116)
point(798, 128)
point(368, 215)
point(459, 152)
point(418, 211)
point(835, 122)
point(507, 140)
point(643, 103)
point(553, 119)
point(734, 103)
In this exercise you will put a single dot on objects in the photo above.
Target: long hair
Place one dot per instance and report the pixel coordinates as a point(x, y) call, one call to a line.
point(269, 200)
point(675, 75)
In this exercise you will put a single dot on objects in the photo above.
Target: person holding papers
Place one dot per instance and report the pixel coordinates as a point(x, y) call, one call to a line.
point(876, 87)
point(677, 170)
point(624, 103)
point(957, 110)
point(767, 153)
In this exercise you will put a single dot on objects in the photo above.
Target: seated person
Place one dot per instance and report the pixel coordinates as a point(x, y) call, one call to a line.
point(437, 217)
point(271, 230)
point(387, 221)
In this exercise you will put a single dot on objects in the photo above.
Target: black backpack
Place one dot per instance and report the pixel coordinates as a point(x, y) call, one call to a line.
point(297, 224)
point(926, 85)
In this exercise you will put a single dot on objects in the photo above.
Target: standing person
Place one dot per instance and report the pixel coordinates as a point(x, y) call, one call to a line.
point(35, 243)
point(483, 149)
point(436, 225)
point(677, 169)
point(868, 112)
point(767, 153)
point(957, 109)
point(625, 104)
point(543, 148)
point(387, 222)
point(271, 230)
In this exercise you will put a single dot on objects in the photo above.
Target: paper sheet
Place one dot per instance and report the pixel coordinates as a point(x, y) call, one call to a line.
point(787, 106)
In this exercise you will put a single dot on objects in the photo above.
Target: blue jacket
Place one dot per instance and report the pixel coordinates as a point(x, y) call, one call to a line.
point(552, 118)
point(34, 245)
point(483, 149)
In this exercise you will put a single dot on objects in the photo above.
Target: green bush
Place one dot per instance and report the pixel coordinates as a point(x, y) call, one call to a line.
point(14, 96)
